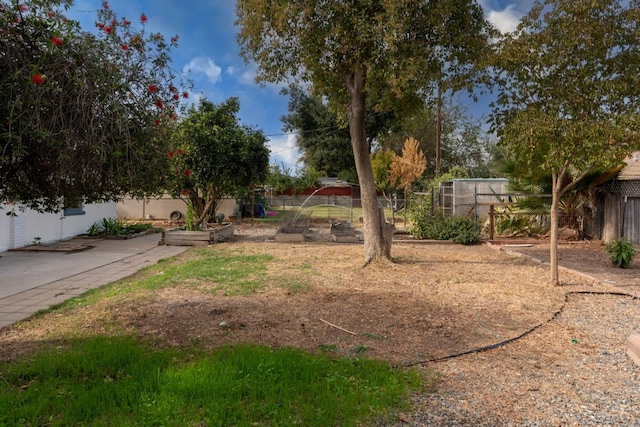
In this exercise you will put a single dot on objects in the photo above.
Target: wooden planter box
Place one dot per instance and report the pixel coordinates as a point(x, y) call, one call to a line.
point(197, 238)
point(282, 237)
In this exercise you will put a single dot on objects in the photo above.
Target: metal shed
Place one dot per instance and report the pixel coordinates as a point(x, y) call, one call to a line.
point(471, 197)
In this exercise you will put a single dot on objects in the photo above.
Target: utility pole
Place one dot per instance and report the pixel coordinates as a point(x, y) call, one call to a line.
point(438, 129)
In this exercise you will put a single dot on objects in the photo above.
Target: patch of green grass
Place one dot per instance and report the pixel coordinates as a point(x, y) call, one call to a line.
point(118, 381)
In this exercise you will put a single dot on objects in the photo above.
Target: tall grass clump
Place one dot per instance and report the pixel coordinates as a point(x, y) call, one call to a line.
point(118, 381)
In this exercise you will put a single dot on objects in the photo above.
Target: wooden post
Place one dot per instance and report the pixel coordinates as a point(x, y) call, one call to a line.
point(491, 222)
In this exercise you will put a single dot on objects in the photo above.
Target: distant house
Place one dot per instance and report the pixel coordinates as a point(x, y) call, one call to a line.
point(21, 227)
point(618, 204)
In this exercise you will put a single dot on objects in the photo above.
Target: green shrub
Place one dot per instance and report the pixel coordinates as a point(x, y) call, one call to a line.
point(95, 229)
point(621, 251)
point(440, 227)
point(112, 226)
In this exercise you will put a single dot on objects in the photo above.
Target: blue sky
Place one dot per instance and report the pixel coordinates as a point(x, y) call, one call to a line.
point(208, 48)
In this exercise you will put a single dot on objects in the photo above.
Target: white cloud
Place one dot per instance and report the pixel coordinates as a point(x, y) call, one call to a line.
point(284, 151)
point(506, 20)
point(231, 70)
point(206, 66)
point(248, 78)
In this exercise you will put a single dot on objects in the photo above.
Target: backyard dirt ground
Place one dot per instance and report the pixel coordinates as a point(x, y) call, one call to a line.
point(435, 301)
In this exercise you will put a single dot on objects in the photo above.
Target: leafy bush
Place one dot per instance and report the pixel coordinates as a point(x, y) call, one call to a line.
point(440, 227)
point(219, 218)
point(621, 252)
point(112, 226)
point(94, 229)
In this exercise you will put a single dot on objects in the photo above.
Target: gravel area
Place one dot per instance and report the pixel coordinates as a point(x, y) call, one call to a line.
point(577, 374)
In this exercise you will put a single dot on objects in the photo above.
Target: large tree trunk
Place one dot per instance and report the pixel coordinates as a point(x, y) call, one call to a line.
point(378, 233)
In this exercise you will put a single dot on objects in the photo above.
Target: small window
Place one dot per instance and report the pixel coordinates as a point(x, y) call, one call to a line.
point(73, 211)
point(73, 207)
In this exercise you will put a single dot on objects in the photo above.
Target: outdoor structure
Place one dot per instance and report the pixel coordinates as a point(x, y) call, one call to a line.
point(165, 207)
point(22, 227)
point(618, 204)
point(331, 191)
point(471, 197)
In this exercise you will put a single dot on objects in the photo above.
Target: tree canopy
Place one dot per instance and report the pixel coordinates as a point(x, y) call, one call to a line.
point(215, 156)
point(392, 51)
point(84, 117)
point(569, 102)
point(464, 143)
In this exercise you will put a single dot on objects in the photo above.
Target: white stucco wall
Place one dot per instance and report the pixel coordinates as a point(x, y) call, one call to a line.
point(25, 226)
point(161, 208)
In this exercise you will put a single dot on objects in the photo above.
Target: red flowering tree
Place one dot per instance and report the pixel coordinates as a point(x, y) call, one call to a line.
point(215, 156)
point(84, 116)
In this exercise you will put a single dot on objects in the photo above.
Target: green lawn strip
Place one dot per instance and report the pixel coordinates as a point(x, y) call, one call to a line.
point(119, 381)
point(214, 269)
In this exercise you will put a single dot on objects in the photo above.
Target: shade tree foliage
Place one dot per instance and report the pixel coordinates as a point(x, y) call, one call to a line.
point(393, 52)
point(215, 156)
point(568, 101)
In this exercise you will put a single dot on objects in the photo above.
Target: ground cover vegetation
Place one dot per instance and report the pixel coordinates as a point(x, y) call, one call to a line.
point(121, 381)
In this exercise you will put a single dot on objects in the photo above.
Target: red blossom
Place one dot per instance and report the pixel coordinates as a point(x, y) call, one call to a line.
point(185, 94)
point(58, 41)
point(185, 192)
point(172, 117)
point(37, 79)
point(23, 8)
point(157, 122)
point(124, 46)
point(105, 5)
point(170, 153)
point(126, 22)
point(143, 18)
point(174, 39)
point(159, 104)
point(180, 151)
point(107, 29)
point(187, 173)
point(172, 88)
point(100, 25)
point(176, 96)
point(153, 88)
point(51, 14)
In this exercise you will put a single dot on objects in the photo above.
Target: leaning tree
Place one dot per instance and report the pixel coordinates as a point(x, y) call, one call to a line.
point(84, 117)
point(569, 102)
point(393, 51)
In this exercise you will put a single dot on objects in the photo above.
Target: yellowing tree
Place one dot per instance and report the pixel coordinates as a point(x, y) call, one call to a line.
point(407, 168)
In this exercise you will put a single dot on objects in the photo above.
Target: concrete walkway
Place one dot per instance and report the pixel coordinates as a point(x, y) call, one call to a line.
point(31, 281)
